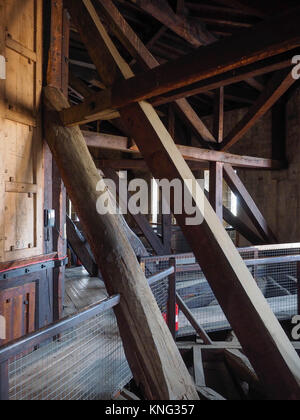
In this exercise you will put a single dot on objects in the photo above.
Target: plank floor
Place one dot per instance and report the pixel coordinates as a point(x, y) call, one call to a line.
point(81, 290)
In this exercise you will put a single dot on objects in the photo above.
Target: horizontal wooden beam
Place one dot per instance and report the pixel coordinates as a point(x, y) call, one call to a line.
point(197, 154)
point(106, 141)
point(273, 37)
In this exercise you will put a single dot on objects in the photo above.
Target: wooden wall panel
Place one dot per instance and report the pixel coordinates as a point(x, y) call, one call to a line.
point(21, 171)
point(17, 306)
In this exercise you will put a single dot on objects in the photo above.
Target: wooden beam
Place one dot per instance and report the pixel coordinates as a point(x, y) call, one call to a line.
point(139, 51)
point(191, 154)
point(259, 68)
point(242, 368)
point(198, 367)
point(140, 220)
point(107, 141)
point(242, 228)
point(79, 86)
point(192, 320)
point(149, 346)
point(192, 32)
point(79, 246)
point(273, 37)
point(279, 85)
point(189, 115)
point(216, 188)
point(167, 218)
point(57, 75)
point(250, 316)
point(218, 130)
point(248, 204)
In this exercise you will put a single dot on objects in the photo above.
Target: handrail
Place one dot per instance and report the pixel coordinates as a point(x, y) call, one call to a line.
point(161, 275)
point(279, 247)
point(30, 341)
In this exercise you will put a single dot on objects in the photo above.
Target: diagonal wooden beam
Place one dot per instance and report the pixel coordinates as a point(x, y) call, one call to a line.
point(194, 33)
point(140, 220)
point(139, 51)
point(273, 37)
point(149, 346)
point(248, 204)
point(243, 303)
point(259, 68)
point(242, 228)
point(277, 87)
point(81, 249)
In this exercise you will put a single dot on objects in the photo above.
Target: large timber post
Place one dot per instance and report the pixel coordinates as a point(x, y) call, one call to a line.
point(150, 349)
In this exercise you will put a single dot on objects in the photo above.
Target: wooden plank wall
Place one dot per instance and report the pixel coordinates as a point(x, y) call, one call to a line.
point(21, 169)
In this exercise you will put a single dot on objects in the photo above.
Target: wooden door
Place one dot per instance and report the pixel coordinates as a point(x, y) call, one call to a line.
point(21, 148)
point(17, 306)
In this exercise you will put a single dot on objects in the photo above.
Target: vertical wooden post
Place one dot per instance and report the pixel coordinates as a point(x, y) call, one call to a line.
point(167, 218)
point(216, 168)
point(57, 76)
point(216, 188)
point(4, 385)
point(218, 129)
point(172, 299)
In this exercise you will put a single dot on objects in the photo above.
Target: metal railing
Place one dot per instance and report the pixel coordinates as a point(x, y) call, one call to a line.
point(79, 357)
point(276, 269)
point(82, 357)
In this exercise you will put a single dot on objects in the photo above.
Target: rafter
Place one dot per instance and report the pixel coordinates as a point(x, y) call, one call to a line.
point(277, 87)
point(278, 35)
point(241, 74)
point(192, 32)
point(139, 51)
point(244, 305)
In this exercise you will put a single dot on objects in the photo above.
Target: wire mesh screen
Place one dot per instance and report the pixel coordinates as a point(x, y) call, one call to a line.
point(277, 281)
point(159, 289)
point(85, 363)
